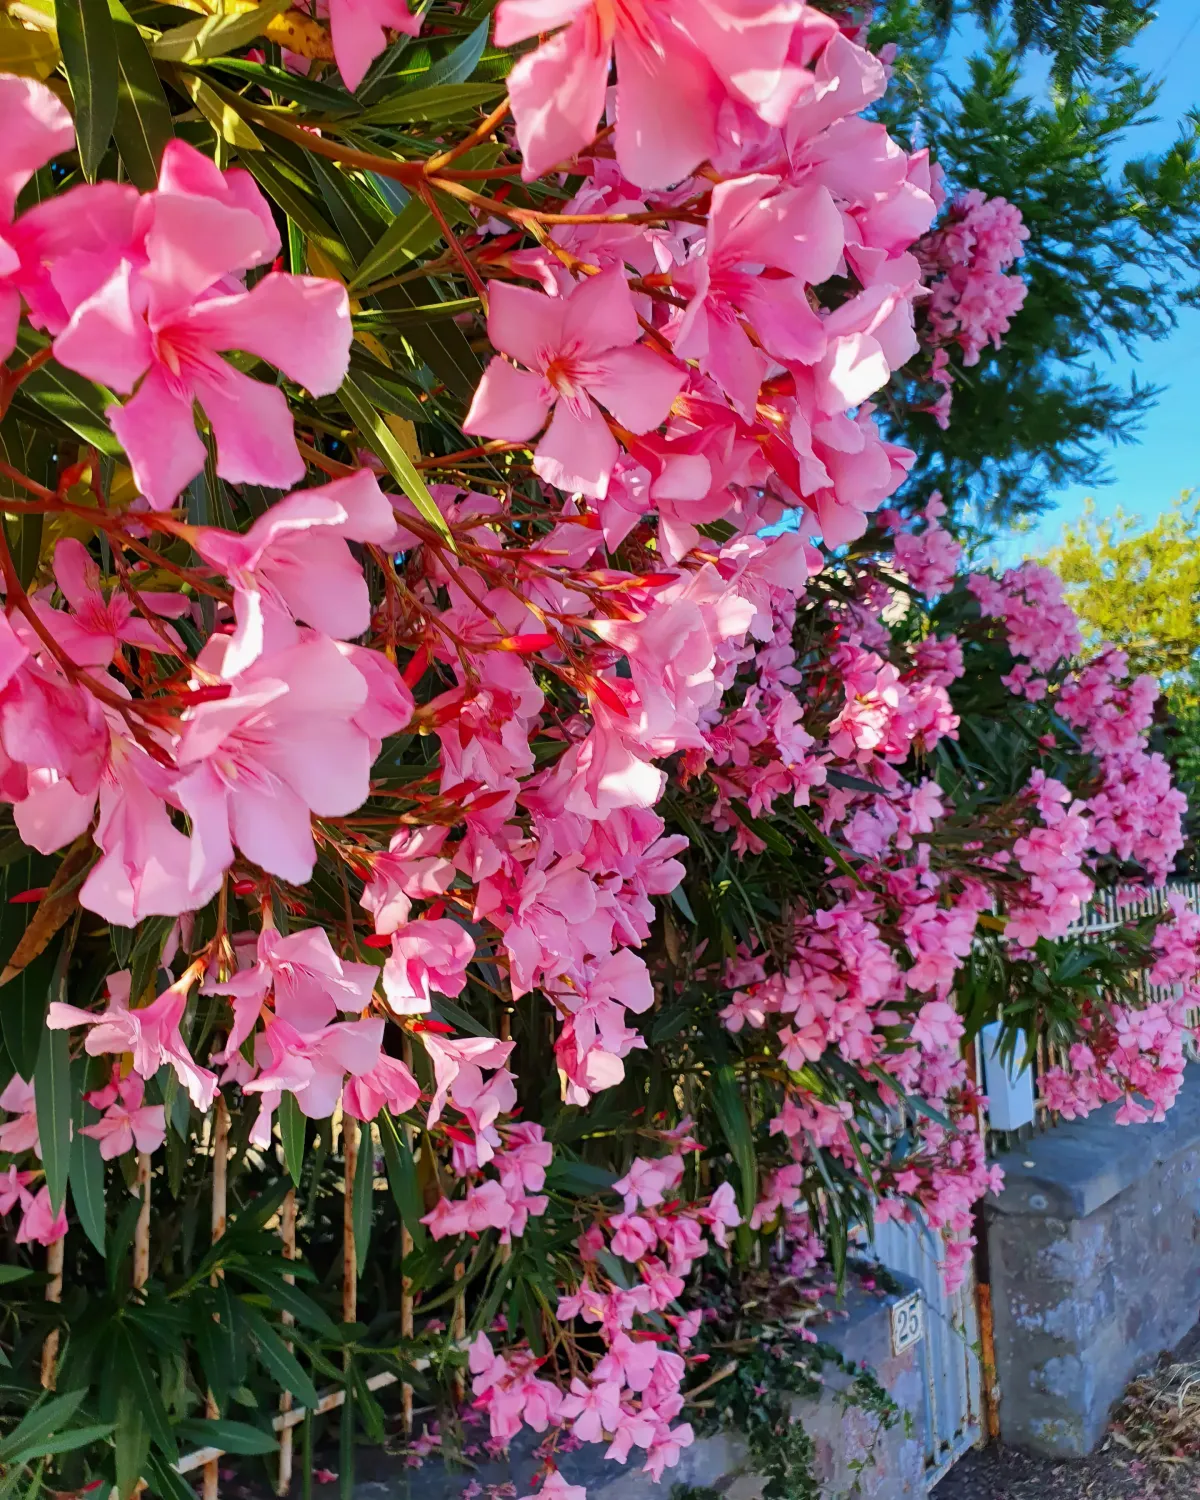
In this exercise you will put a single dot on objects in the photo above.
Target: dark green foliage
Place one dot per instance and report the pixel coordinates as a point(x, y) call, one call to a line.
point(1113, 253)
point(1079, 34)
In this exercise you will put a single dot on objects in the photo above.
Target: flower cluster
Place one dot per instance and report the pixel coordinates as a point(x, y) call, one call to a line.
point(972, 301)
point(409, 777)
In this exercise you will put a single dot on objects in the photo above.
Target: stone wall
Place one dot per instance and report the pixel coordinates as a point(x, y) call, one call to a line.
point(1094, 1262)
point(849, 1451)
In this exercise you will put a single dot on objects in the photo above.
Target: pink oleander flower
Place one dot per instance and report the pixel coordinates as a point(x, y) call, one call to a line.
point(283, 745)
point(676, 67)
point(359, 31)
point(294, 561)
point(310, 983)
point(450, 1054)
point(312, 1065)
point(580, 353)
point(157, 327)
point(427, 956)
point(557, 1488)
point(389, 1083)
point(649, 1181)
point(35, 127)
point(20, 1134)
point(127, 1122)
point(97, 626)
point(150, 1032)
point(40, 1225)
point(756, 222)
point(12, 1188)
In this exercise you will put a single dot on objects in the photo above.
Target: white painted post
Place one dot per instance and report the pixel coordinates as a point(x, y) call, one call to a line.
point(1009, 1087)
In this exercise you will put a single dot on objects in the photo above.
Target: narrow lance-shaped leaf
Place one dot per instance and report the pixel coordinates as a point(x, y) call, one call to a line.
point(364, 1184)
point(143, 122)
point(402, 1177)
point(89, 47)
point(400, 466)
point(52, 1098)
point(87, 1186)
point(292, 1126)
point(210, 36)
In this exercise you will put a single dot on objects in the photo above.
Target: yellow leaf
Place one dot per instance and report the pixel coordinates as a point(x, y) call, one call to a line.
point(405, 434)
point(223, 118)
point(33, 54)
point(320, 264)
point(371, 343)
point(300, 34)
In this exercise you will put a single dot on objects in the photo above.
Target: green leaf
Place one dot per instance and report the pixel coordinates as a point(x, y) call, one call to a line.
point(37, 1425)
point(460, 63)
point(146, 954)
point(87, 1186)
point(65, 1442)
point(454, 1015)
point(291, 86)
point(69, 398)
point(166, 1482)
point(277, 182)
point(143, 124)
point(379, 437)
point(292, 1129)
point(443, 346)
point(402, 1176)
point(52, 1098)
point(433, 104)
point(210, 1316)
point(824, 843)
point(356, 214)
point(210, 36)
point(23, 1012)
point(278, 1360)
point(579, 1178)
point(89, 49)
point(229, 1436)
point(387, 395)
point(410, 234)
point(364, 1187)
point(136, 1365)
point(13, 1273)
point(216, 107)
point(288, 1298)
point(133, 1443)
point(730, 1109)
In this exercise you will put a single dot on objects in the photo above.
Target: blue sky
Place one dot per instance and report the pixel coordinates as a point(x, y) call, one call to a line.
point(1148, 474)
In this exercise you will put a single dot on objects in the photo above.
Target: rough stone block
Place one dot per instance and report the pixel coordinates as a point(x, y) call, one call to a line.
point(1094, 1268)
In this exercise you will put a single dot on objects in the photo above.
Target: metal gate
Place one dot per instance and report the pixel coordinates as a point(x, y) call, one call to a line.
point(948, 1355)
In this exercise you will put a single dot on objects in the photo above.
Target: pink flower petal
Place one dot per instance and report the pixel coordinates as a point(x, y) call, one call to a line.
point(106, 340)
point(299, 323)
point(34, 127)
point(252, 423)
point(637, 386)
point(525, 324)
point(508, 403)
point(577, 452)
point(193, 243)
point(666, 112)
point(159, 436)
point(599, 314)
point(557, 98)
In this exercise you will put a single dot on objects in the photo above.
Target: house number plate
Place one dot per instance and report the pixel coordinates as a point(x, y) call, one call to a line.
point(908, 1323)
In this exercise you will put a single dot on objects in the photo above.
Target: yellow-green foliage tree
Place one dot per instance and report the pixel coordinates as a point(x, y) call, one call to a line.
point(1139, 586)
